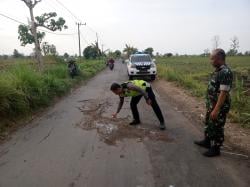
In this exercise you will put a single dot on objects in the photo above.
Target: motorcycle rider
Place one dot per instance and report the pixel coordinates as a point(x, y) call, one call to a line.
point(72, 67)
point(111, 62)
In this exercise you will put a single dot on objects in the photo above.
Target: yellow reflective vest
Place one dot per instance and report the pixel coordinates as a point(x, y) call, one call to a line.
point(132, 93)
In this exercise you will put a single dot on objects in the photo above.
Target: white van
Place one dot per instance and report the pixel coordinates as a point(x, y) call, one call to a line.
point(141, 65)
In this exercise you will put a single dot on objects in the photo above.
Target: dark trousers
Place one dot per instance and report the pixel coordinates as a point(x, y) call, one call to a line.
point(135, 100)
point(214, 129)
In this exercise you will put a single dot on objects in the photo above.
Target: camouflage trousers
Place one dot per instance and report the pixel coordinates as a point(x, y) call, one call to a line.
point(214, 129)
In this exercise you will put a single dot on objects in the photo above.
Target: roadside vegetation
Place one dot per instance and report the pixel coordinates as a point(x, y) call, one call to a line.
point(192, 73)
point(24, 89)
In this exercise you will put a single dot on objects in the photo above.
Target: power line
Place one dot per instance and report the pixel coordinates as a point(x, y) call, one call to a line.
point(90, 28)
point(74, 43)
point(48, 31)
point(84, 39)
point(68, 10)
point(52, 5)
point(12, 19)
point(64, 34)
point(37, 28)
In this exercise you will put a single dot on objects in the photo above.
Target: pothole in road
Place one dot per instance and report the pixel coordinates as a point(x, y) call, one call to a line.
point(111, 130)
point(106, 128)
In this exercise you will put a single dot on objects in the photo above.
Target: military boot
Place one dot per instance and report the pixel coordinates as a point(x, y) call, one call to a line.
point(135, 122)
point(213, 151)
point(204, 143)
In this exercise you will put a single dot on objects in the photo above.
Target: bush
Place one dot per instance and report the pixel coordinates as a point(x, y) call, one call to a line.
point(193, 73)
point(23, 89)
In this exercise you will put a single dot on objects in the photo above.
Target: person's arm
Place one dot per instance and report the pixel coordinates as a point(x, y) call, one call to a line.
point(119, 107)
point(120, 104)
point(226, 79)
point(220, 102)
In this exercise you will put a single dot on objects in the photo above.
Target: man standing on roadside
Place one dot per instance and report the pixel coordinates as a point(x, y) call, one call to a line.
point(217, 104)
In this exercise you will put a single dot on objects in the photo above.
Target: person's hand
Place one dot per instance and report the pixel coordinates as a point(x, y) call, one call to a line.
point(148, 101)
point(114, 115)
point(214, 114)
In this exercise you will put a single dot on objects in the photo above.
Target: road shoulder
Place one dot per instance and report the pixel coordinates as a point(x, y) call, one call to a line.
point(236, 137)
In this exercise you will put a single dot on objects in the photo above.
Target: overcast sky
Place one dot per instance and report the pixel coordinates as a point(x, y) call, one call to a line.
point(177, 26)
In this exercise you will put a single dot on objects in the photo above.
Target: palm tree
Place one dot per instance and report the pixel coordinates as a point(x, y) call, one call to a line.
point(95, 45)
point(129, 50)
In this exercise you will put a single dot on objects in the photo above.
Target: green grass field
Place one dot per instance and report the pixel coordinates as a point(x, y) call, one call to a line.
point(24, 90)
point(193, 72)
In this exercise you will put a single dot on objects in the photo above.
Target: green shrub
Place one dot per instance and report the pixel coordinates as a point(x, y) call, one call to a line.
point(23, 89)
point(193, 73)
point(12, 100)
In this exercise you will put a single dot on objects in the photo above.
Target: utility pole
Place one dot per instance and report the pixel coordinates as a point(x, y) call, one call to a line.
point(30, 4)
point(102, 48)
point(79, 37)
point(97, 45)
point(97, 41)
point(96, 37)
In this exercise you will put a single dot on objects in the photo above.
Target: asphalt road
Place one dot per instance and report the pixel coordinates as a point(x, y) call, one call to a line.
point(76, 143)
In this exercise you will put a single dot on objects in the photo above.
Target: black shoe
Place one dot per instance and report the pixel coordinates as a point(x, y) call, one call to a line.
point(135, 122)
point(213, 151)
point(162, 126)
point(203, 143)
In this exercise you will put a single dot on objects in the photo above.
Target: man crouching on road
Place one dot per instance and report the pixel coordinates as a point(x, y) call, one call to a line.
point(136, 89)
point(217, 103)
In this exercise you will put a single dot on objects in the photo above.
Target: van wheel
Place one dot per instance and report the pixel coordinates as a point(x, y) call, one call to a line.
point(152, 77)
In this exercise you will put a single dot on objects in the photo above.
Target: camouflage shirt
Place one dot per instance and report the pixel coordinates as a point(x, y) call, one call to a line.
point(221, 80)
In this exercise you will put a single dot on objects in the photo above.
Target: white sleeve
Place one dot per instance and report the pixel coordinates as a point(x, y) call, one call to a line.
point(225, 87)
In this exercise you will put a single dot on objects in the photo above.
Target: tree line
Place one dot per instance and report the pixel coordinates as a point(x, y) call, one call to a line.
point(31, 34)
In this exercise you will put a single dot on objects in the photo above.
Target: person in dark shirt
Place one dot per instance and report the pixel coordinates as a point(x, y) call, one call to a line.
point(111, 60)
point(136, 89)
point(72, 67)
point(218, 104)
point(111, 63)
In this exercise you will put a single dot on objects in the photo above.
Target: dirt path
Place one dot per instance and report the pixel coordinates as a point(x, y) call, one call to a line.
point(77, 143)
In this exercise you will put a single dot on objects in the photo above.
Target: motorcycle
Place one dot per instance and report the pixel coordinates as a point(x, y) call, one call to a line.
point(72, 70)
point(111, 66)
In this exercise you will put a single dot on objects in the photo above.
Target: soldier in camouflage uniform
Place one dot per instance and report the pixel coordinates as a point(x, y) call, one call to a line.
point(217, 104)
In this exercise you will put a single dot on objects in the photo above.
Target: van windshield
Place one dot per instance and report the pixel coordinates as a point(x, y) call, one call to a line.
point(145, 58)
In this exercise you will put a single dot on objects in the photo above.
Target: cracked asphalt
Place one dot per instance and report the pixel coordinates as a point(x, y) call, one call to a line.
point(76, 143)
